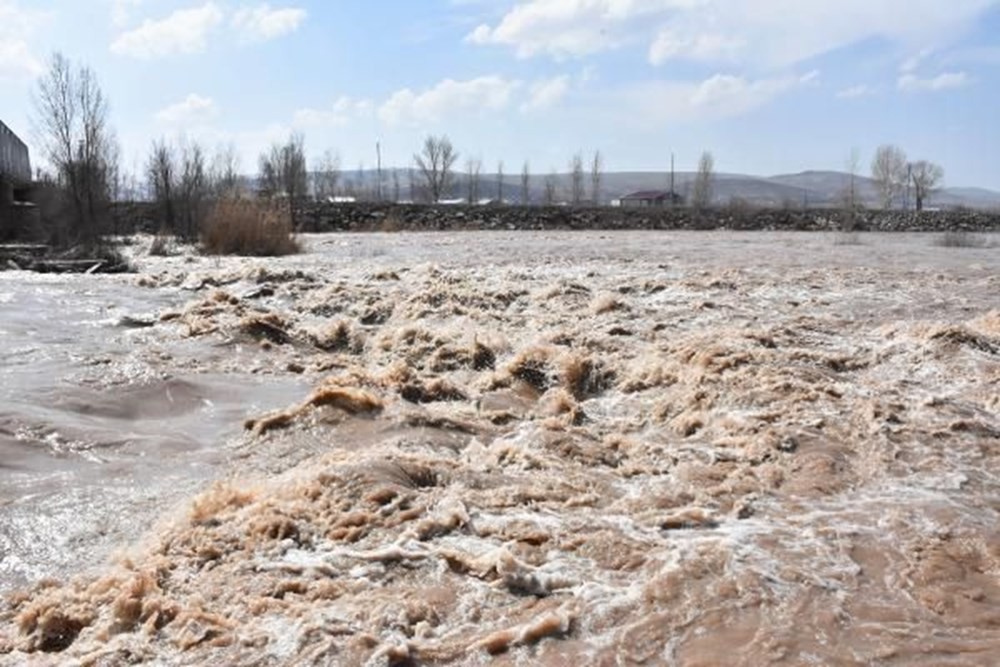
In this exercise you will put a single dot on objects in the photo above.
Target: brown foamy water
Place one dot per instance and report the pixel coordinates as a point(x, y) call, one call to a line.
point(551, 448)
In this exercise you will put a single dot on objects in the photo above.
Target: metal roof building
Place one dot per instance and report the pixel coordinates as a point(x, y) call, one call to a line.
point(15, 164)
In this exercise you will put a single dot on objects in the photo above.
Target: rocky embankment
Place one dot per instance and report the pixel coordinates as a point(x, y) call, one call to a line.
point(322, 217)
point(392, 217)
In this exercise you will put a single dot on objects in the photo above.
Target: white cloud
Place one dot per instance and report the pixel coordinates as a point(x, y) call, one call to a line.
point(192, 110)
point(719, 96)
point(487, 93)
point(121, 11)
point(710, 47)
point(183, 32)
point(913, 62)
point(772, 33)
point(546, 93)
point(976, 55)
point(343, 111)
point(854, 92)
point(17, 25)
point(912, 83)
point(261, 23)
point(727, 95)
point(568, 28)
point(18, 62)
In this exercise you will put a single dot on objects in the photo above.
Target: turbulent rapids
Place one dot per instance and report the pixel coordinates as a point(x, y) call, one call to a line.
point(525, 449)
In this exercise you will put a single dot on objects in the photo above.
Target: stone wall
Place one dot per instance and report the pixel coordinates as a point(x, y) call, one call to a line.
point(317, 217)
point(321, 217)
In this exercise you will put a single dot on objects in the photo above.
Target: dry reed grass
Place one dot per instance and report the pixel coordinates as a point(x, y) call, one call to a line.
point(249, 228)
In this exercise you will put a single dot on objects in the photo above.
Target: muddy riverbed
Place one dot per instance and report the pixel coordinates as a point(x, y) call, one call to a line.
point(507, 449)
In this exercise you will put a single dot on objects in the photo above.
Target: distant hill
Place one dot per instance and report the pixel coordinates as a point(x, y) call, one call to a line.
point(810, 188)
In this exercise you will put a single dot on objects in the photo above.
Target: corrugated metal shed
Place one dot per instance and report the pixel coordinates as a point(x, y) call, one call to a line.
point(15, 163)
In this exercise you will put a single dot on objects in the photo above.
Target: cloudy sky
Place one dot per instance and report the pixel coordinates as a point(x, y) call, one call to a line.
point(769, 86)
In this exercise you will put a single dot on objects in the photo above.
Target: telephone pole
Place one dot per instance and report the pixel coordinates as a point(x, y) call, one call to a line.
point(378, 171)
point(673, 196)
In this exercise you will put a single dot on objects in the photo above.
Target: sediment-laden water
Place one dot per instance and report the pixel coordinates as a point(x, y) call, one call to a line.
point(509, 449)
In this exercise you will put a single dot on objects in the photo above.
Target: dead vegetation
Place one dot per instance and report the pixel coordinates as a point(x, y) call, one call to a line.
point(249, 229)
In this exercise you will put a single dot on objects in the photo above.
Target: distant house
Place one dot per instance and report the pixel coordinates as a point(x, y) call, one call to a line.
point(651, 199)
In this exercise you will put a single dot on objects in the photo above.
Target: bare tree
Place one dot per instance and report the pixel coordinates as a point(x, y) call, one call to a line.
point(326, 175)
point(435, 162)
point(500, 182)
point(162, 179)
point(473, 169)
point(283, 172)
point(72, 120)
point(180, 184)
point(596, 176)
point(849, 195)
point(224, 173)
point(889, 173)
point(526, 184)
point(551, 185)
point(576, 179)
point(701, 195)
point(395, 186)
point(927, 177)
point(193, 188)
point(131, 190)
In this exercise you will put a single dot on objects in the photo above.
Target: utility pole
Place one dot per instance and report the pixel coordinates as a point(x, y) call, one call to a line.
point(909, 177)
point(378, 171)
point(673, 196)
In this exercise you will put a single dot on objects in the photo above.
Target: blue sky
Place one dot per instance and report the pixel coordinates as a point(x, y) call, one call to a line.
point(769, 86)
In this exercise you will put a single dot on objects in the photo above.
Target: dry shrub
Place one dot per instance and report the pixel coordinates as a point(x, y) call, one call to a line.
point(249, 229)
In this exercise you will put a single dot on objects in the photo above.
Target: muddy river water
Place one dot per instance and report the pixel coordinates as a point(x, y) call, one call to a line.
point(507, 449)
